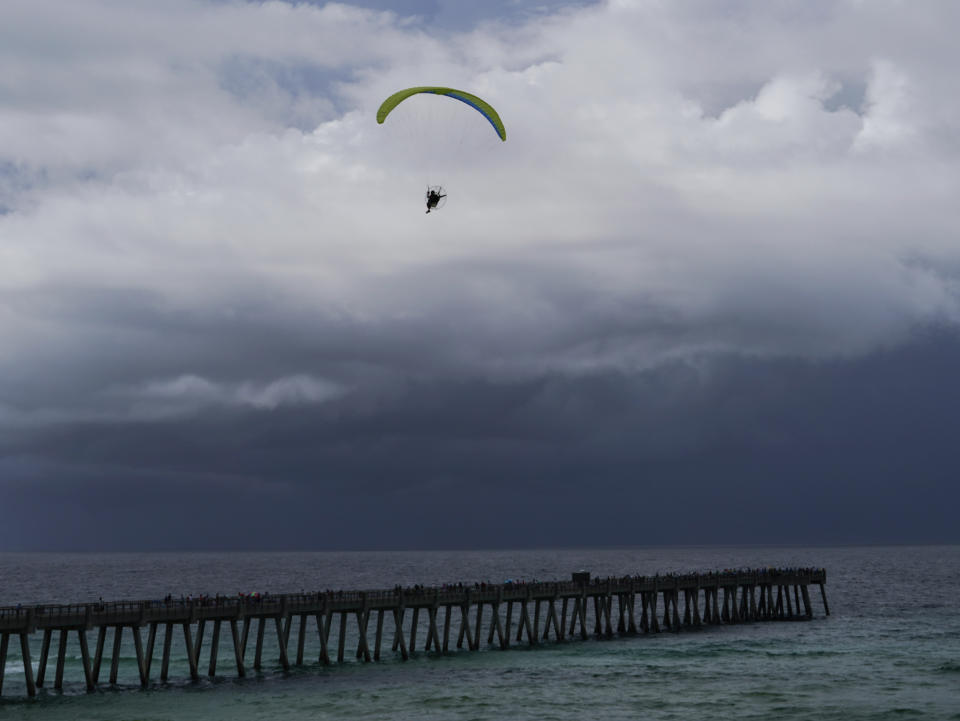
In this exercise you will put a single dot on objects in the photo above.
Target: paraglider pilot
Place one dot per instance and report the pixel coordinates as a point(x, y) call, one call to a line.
point(433, 197)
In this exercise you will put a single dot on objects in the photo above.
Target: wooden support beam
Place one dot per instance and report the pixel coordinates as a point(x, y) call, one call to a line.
point(258, 651)
point(823, 595)
point(237, 647)
point(192, 660)
point(323, 632)
point(446, 627)
point(379, 635)
point(398, 623)
point(525, 624)
point(429, 642)
point(27, 664)
point(115, 659)
point(84, 659)
point(563, 619)
point(151, 641)
point(214, 649)
point(465, 627)
point(247, 620)
point(506, 634)
point(583, 616)
point(477, 625)
point(4, 645)
point(359, 653)
point(98, 652)
point(141, 662)
point(282, 642)
point(631, 622)
point(44, 656)
point(198, 642)
point(551, 618)
point(167, 643)
point(342, 638)
point(807, 606)
point(398, 634)
point(301, 638)
point(433, 635)
point(465, 624)
point(494, 621)
point(363, 619)
point(536, 620)
point(574, 616)
point(413, 629)
point(61, 660)
point(504, 641)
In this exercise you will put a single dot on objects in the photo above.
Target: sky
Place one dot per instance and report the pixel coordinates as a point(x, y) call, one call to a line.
point(705, 293)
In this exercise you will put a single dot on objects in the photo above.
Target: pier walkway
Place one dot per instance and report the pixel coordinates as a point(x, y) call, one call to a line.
point(452, 615)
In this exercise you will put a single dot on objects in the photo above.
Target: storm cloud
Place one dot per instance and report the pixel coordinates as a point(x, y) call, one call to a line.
point(705, 292)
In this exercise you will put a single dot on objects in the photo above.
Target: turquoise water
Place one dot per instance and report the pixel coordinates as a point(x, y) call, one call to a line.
point(890, 649)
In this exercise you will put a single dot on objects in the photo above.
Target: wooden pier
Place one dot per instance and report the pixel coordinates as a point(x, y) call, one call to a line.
point(567, 610)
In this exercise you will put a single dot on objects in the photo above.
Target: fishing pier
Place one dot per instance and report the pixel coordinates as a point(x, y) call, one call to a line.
point(368, 623)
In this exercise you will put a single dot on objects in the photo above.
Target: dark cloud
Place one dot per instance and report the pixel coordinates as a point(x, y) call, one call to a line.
point(718, 450)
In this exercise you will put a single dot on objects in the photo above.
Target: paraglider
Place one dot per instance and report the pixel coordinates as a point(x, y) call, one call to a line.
point(436, 195)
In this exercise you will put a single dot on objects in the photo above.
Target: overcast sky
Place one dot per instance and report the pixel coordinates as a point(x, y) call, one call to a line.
point(706, 292)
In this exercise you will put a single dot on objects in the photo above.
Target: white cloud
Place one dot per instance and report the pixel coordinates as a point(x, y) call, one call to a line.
point(194, 392)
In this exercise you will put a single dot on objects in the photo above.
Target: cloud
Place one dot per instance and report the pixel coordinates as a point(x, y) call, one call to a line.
point(201, 221)
point(194, 165)
point(196, 392)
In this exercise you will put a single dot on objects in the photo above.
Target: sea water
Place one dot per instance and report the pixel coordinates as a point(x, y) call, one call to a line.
point(890, 648)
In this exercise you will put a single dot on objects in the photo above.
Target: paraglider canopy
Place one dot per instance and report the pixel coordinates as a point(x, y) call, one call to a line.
point(480, 105)
point(438, 135)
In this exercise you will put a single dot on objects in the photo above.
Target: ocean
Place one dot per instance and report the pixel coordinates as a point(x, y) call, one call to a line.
point(889, 650)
